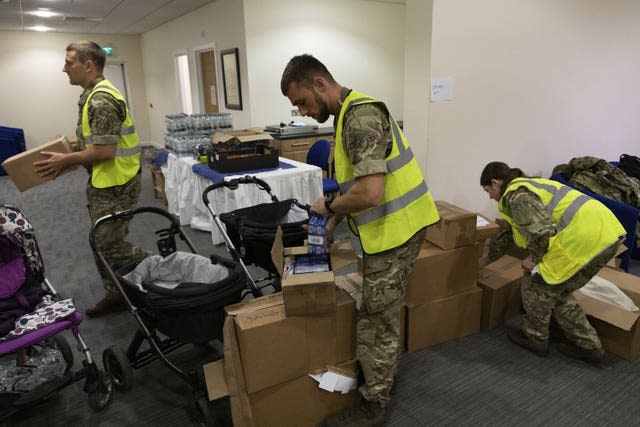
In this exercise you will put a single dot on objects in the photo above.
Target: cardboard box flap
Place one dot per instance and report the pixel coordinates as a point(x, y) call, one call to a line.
point(504, 270)
point(277, 251)
point(607, 312)
point(449, 212)
point(216, 383)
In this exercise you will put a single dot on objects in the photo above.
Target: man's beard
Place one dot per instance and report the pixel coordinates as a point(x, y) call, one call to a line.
point(323, 108)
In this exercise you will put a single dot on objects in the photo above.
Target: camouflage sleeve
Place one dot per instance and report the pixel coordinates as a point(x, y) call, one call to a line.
point(532, 220)
point(106, 115)
point(501, 244)
point(367, 137)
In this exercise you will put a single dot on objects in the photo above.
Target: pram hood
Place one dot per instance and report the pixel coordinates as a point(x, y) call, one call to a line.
point(15, 227)
point(12, 273)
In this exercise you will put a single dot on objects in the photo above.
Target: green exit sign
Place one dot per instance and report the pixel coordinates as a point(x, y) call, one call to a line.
point(108, 50)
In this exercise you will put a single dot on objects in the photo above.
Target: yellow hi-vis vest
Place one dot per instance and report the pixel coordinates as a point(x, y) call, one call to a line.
point(584, 227)
point(407, 205)
point(126, 163)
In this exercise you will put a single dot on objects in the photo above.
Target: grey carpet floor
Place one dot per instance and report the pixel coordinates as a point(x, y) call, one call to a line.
point(477, 380)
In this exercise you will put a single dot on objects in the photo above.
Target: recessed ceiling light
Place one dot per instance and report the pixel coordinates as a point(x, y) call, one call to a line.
point(43, 13)
point(40, 28)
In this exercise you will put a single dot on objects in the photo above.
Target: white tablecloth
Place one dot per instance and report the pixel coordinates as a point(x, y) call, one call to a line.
point(184, 190)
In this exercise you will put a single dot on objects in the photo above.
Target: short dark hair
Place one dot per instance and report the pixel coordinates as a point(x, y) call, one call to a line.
point(302, 69)
point(87, 50)
point(501, 171)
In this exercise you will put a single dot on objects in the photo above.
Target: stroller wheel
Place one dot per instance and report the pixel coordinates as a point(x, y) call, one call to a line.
point(101, 396)
point(63, 345)
point(116, 363)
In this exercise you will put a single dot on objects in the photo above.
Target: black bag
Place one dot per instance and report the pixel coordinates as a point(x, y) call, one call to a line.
point(630, 165)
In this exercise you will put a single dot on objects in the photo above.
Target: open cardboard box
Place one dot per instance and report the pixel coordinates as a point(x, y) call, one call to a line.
point(268, 356)
point(617, 328)
point(243, 135)
point(20, 167)
point(272, 348)
point(304, 294)
point(486, 229)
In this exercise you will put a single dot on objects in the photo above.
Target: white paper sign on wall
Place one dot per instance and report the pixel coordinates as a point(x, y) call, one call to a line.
point(442, 89)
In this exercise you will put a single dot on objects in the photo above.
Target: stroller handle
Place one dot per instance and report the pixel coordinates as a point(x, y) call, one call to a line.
point(234, 184)
point(127, 215)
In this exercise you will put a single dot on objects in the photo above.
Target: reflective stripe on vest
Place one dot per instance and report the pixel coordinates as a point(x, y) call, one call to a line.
point(126, 163)
point(407, 205)
point(575, 216)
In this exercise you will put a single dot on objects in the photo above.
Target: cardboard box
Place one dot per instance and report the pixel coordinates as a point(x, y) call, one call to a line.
point(304, 294)
point(297, 403)
point(500, 283)
point(242, 135)
point(20, 167)
point(485, 229)
point(439, 273)
point(272, 348)
point(617, 328)
point(456, 228)
point(443, 320)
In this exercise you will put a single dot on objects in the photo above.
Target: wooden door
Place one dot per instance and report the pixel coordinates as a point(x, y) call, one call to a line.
point(209, 84)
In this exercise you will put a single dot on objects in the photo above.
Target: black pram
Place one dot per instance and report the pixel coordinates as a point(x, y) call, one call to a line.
point(250, 231)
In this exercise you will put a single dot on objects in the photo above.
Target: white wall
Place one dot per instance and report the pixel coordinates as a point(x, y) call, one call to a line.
point(36, 94)
point(537, 82)
point(221, 23)
point(360, 42)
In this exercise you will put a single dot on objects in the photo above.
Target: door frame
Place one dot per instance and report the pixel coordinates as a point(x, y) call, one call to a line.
point(196, 60)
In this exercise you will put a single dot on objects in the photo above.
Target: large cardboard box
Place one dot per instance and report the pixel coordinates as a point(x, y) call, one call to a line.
point(273, 348)
point(20, 167)
point(456, 228)
point(443, 320)
point(305, 294)
point(618, 329)
point(299, 402)
point(439, 273)
point(500, 283)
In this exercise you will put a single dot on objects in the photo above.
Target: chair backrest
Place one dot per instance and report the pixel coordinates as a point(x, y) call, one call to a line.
point(318, 154)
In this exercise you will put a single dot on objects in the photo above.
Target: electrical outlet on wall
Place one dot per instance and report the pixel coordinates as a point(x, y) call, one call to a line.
point(295, 112)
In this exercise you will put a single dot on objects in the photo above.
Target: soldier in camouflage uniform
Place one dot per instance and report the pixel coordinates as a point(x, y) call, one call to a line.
point(84, 63)
point(532, 219)
point(366, 135)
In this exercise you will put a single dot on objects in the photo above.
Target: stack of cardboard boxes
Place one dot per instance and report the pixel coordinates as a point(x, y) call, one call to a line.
point(273, 343)
point(442, 299)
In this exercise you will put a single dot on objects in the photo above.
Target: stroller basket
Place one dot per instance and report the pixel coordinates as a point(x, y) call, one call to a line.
point(184, 293)
point(253, 229)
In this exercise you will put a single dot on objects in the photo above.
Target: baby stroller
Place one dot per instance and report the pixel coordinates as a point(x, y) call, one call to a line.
point(250, 231)
point(35, 358)
point(176, 298)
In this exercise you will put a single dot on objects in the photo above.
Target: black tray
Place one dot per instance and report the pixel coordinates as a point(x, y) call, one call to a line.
point(258, 157)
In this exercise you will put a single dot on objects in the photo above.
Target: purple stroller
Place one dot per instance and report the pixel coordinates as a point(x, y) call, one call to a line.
point(36, 359)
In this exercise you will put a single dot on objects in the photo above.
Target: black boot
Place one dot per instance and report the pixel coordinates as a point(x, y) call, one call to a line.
point(111, 303)
point(365, 414)
point(590, 355)
point(517, 336)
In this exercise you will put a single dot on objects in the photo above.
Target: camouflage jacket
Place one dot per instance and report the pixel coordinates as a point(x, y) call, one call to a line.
point(367, 138)
point(533, 221)
point(600, 177)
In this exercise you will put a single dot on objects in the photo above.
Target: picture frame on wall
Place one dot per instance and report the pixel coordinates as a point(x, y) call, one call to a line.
point(231, 79)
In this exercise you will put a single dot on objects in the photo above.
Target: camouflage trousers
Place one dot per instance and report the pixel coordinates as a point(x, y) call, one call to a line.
point(110, 237)
point(378, 324)
point(541, 301)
